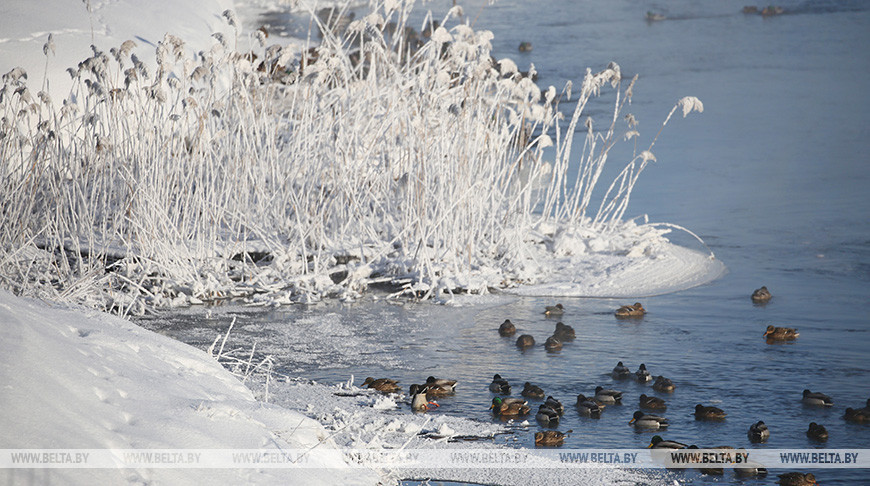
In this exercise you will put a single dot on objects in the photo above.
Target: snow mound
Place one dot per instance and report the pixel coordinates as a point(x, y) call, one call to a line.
point(74, 380)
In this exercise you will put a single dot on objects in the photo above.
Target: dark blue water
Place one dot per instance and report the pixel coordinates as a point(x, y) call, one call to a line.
point(773, 176)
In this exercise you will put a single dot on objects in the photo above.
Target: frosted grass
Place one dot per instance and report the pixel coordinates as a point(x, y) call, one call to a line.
point(254, 170)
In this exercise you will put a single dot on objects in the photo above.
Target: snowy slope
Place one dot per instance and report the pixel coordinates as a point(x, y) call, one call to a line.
point(85, 380)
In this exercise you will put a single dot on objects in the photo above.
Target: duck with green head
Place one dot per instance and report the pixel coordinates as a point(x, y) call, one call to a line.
point(554, 310)
point(648, 421)
point(620, 371)
point(658, 443)
point(817, 399)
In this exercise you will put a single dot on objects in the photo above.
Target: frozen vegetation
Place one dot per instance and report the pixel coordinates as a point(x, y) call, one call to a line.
point(293, 173)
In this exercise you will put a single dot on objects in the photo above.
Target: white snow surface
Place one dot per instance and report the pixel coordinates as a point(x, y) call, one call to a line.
point(75, 379)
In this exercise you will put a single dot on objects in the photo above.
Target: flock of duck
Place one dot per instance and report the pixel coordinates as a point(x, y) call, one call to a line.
point(550, 411)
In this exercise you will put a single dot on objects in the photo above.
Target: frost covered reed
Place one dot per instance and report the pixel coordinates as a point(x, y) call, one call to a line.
point(288, 176)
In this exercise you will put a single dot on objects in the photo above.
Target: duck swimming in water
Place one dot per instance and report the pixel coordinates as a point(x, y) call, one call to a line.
point(817, 399)
point(758, 432)
point(507, 328)
point(635, 310)
point(658, 443)
point(796, 479)
point(588, 406)
point(383, 385)
point(555, 405)
point(553, 344)
point(550, 438)
point(620, 371)
point(781, 333)
point(440, 387)
point(554, 310)
point(607, 396)
point(708, 413)
point(652, 403)
point(500, 385)
point(817, 432)
point(509, 407)
point(642, 375)
point(648, 421)
point(858, 416)
point(564, 332)
point(547, 416)
point(761, 296)
point(663, 384)
point(532, 391)
point(525, 341)
point(419, 400)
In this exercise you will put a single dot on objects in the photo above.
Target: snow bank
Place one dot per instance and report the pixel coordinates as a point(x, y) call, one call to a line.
point(87, 380)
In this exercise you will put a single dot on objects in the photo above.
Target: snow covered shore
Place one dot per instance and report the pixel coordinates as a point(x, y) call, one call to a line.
point(75, 379)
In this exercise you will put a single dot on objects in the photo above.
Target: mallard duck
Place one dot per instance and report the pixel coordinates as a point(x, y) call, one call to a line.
point(635, 310)
point(440, 386)
point(554, 310)
point(620, 371)
point(550, 438)
point(607, 396)
point(500, 385)
point(383, 385)
point(758, 432)
point(781, 333)
point(547, 416)
point(858, 416)
point(525, 47)
point(658, 443)
point(588, 406)
point(532, 391)
point(663, 384)
point(761, 295)
point(817, 432)
point(708, 413)
point(507, 328)
point(652, 403)
point(817, 399)
point(525, 341)
point(796, 479)
point(642, 375)
point(509, 407)
point(552, 344)
point(419, 401)
point(654, 17)
point(750, 469)
point(647, 421)
point(555, 405)
point(768, 11)
point(564, 332)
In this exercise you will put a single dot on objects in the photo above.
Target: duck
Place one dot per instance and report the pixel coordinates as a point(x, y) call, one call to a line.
point(507, 328)
point(648, 421)
point(554, 310)
point(781, 333)
point(761, 296)
point(555, 405)
point(663, 384)
point(796, 479)
point(509, 407)
point(817, 399)
point(620, 371)
point(419, 401)
point(750, 469)
point(817, 432)
point(550, 438)
point(758, 432)
point(525, 341)
point(766, 12)
point(658, 443)
point(553, 344)
point(654, 17)
point(708, 413)
point(383, 385)
point(642, 375)
point(588, 406)
point(652, 403)
point(859, 416)
point(500, 385)
point(525, 47)
point(532, 391)
point(440, 386)
point(564, 332)
point(547, 416)
point(635, 310)
point(607, 396)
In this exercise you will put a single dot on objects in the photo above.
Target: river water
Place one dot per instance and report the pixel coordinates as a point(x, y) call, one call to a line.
point(772, 175)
